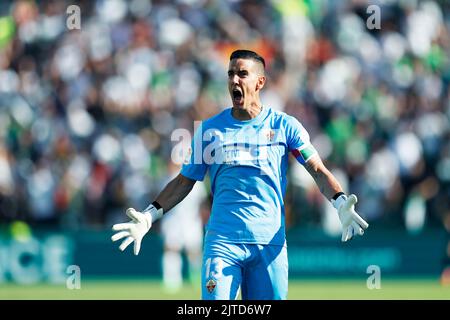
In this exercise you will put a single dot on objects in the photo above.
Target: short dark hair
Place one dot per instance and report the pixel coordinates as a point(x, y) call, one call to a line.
point(247, 54)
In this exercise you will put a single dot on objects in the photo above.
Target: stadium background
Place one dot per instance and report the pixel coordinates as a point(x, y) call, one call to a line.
point(86, 118)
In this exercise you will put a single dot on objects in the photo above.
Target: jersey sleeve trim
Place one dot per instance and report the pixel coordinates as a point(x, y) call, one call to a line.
point(304, 153)
point(192, 176)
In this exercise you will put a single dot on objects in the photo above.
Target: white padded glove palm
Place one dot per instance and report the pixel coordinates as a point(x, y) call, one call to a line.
point(134, 230)
point(351, 222)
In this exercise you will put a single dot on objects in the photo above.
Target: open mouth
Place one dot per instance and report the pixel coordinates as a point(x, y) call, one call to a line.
point(237, 95)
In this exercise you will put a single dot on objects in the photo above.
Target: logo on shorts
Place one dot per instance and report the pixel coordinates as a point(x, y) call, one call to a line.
point(211, 285)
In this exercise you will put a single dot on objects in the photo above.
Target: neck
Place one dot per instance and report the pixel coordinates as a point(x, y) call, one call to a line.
point(247, 113)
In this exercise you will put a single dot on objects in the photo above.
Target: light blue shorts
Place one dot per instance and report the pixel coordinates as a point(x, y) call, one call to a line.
point(261, 271)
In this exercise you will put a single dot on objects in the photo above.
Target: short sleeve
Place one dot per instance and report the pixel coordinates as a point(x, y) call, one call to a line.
point(194, 166)
point(298, 142)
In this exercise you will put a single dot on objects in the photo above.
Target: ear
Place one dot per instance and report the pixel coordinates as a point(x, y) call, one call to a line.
point(260, 83)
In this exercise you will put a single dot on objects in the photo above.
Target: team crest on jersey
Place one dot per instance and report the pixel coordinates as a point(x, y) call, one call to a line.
point(188, 156)
point(270, 134)
point(211, 285)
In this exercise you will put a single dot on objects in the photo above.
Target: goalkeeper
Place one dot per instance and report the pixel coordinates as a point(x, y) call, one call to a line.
point(245, 148)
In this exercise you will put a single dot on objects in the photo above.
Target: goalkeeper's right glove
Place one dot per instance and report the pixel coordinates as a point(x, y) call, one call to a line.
point(136, 229)
point(351, 222)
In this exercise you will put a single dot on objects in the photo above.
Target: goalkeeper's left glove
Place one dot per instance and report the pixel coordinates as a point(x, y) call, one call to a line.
point(351, 222)
point(135, 230)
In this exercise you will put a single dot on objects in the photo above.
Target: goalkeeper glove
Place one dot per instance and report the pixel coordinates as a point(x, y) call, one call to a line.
point(135, 230)
point(351, 222)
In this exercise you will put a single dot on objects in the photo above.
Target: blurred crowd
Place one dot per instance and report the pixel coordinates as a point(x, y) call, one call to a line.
point(86, 116)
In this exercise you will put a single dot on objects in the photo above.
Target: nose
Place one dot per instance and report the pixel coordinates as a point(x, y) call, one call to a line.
point(234, 79)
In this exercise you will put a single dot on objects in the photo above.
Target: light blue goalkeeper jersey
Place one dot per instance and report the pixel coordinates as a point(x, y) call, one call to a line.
point(247, 163)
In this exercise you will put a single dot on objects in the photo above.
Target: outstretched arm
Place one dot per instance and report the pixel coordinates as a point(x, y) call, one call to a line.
point(175, 191)
point(141, 222)
point(352, 223)
point(325, 180)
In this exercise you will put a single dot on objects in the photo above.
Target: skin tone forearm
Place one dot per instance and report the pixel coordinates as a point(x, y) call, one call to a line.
point(175, 191)
point(324, 179)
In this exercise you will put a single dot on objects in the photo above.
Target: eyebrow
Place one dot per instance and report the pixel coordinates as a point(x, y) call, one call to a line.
point(243, 71)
